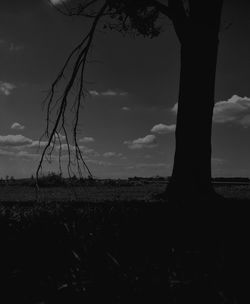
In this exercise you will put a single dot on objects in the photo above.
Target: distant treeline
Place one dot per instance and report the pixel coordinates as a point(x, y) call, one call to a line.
point(53, 179)
point(57, 180)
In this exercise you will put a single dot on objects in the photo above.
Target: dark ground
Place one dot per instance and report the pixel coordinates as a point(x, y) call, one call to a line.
point(124, 252)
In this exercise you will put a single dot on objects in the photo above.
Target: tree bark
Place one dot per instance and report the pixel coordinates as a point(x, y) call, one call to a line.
point(192, 162)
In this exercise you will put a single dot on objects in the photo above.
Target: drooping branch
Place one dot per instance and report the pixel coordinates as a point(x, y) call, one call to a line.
point(57, 107)
point(138, 17)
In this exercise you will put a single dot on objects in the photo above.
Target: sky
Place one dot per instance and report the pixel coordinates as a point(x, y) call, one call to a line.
point(127, 123)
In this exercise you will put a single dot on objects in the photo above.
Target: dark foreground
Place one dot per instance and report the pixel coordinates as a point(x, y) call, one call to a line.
point(124, 252)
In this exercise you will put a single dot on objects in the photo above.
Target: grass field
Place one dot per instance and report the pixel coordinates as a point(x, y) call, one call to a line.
point(127, 247)
point(144, 192)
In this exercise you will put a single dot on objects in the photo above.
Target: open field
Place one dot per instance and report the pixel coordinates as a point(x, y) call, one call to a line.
point(100, 193)
point(125, 248)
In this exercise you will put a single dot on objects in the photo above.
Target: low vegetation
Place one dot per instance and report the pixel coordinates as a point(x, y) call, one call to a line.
point(122, 251)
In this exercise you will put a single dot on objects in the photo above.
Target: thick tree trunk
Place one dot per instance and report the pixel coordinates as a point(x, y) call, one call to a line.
point(192, 163)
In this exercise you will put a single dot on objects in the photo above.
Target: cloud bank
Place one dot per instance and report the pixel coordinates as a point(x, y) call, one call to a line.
point(236, 109)
point(14, 140)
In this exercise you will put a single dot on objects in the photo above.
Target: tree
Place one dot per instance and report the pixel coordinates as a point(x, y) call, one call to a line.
point(198, 36)
point(197, 27)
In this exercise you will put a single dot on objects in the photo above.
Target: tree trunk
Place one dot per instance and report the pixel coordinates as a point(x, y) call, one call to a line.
point(192, 162)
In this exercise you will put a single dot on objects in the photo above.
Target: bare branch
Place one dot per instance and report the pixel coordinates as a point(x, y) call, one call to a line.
point(59, 106)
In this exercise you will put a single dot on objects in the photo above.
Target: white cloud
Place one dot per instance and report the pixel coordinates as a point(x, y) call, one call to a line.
point(15, 48)
point(57, 2)
point(84, 150)
point(123, 93)
point(28, 155)
point(6, 88)
point(88, 151)
point(22, 153)
point(109, 154)
point(235, 109)
point(17, 126)
point(94, 93)
point(107, 93)
point(86, 139)
point(6, 152)
point(149, 141)
point(148, 165)
point(113, 154)
point(10, 46)
point(163, 129)
point(43, 143)
point(21, 146)
point(65, 147)
point(14, 140)
point(126, 109)
point(99, 162)
point(37, 144)
point(59, 136)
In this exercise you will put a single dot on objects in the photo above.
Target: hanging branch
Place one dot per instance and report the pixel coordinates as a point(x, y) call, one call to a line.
point(59, 106)
point(138, 17)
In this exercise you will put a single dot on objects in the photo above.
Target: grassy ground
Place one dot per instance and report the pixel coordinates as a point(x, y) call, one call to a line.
point(145, 192)
point(121, 251)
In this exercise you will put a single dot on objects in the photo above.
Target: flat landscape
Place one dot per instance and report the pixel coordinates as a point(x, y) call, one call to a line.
point(101, 193)
point(120, 244)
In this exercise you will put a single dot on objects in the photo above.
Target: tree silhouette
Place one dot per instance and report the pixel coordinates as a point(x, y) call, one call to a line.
point(197, 27)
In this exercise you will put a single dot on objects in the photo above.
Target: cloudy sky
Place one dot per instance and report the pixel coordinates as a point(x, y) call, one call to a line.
point(128, 121)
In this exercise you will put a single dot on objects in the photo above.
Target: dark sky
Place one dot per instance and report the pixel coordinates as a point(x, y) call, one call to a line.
point(127, 125)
